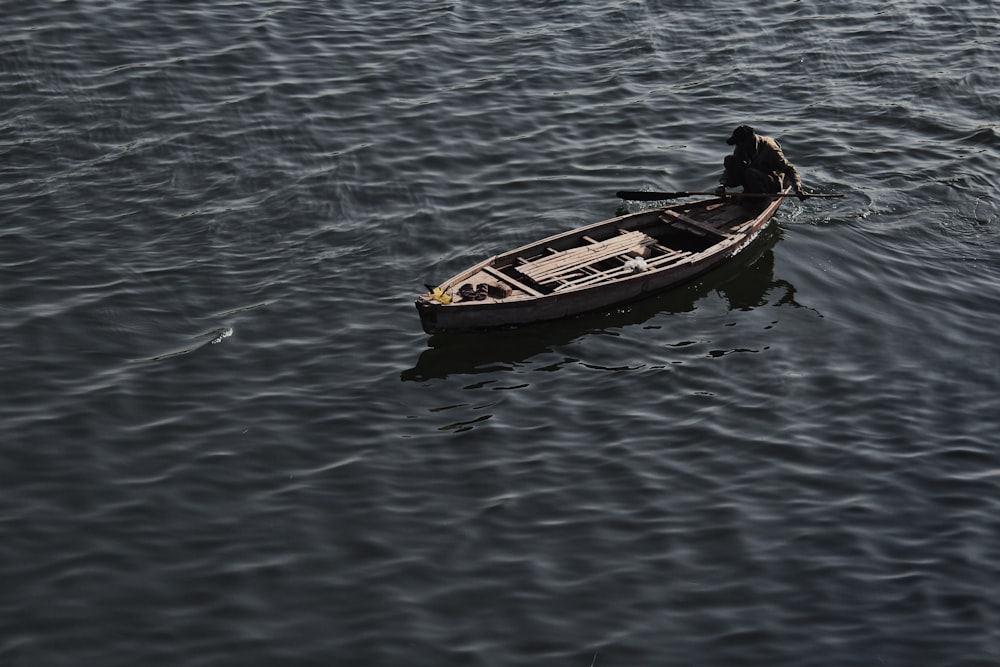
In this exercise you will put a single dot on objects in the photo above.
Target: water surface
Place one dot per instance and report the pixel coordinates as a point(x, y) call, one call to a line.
point(225, 439)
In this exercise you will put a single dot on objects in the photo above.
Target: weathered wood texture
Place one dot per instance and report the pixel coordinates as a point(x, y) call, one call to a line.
point(561, 266)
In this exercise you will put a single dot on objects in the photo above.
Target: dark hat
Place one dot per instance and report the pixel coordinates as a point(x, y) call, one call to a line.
point(741, 134)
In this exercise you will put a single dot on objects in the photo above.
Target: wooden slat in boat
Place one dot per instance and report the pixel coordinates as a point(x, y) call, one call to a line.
point(572, 255)
point(687, 221)
point(553, 268)
point(670, 257)
point(511, 281)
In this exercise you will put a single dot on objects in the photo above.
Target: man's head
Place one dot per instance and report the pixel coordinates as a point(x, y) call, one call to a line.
point(743, 136)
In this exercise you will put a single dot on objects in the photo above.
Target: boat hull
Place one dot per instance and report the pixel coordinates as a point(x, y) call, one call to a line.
point(527, 305)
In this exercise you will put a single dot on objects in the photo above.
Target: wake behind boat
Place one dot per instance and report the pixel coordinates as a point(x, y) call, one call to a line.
point(598, 266)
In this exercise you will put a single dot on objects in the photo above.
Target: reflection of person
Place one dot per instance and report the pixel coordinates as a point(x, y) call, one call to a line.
point(758, 164)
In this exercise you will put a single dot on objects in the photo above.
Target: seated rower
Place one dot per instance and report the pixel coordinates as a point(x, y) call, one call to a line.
point(758, 164)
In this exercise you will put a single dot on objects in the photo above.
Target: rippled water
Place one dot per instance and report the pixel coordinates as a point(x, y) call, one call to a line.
point(225, 439)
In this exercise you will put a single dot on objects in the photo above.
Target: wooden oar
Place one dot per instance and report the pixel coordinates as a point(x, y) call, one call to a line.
point(639, 195)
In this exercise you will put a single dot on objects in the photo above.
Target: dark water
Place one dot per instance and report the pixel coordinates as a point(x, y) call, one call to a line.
point(224, 439)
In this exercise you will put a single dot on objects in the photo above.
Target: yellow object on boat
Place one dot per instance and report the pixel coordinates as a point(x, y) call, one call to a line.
point(440, 295)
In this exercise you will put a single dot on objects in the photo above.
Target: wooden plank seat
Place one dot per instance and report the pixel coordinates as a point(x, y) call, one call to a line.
point(673, 217)
point(510, 281)
point(560, 266)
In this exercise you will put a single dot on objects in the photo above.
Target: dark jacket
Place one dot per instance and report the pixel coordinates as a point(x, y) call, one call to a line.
point(768, 158)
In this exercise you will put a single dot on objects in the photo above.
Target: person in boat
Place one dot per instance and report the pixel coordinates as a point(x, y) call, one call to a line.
point(758, 164)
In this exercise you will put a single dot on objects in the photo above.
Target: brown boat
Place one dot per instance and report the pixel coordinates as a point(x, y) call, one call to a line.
point(598, 266)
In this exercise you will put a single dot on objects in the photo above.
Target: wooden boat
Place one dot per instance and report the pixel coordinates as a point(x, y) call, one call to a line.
point(601, 265)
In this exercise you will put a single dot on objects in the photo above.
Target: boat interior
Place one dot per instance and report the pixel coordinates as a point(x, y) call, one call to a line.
point(653, 239)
